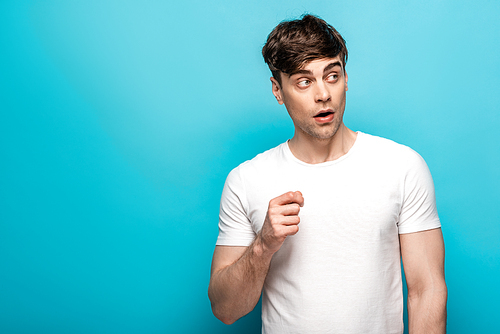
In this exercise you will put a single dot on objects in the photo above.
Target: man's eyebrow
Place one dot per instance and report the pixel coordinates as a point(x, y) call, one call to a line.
point(326, 69)
point(306, 72)
point(332, 65)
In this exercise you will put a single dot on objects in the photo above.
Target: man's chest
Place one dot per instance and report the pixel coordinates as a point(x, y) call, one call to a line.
point(337, 202)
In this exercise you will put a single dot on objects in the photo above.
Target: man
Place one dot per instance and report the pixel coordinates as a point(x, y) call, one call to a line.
point(319, 224)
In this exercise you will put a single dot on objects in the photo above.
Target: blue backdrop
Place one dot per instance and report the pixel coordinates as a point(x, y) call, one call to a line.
point(120, 121)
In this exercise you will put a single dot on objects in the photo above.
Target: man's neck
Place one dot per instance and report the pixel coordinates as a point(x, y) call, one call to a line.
point(314, 150)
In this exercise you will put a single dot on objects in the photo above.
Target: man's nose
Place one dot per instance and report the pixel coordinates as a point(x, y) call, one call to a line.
point(322, 93)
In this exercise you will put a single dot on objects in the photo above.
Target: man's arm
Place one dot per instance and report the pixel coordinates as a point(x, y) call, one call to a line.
point(423, 262)
point(238, 273)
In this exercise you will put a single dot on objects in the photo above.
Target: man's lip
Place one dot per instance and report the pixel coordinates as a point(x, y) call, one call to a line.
point(325, 112)
point(324, 116)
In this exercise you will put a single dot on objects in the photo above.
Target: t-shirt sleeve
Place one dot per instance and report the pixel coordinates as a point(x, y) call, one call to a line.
point(235, 229)
point(418, 212)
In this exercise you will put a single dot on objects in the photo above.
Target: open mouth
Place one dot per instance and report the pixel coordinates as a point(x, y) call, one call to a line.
point(324, 114)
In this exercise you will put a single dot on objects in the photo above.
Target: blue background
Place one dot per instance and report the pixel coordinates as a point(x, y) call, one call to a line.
point(120, 121)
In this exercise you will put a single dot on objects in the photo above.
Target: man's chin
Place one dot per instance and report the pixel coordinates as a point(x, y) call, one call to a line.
point(327, 135)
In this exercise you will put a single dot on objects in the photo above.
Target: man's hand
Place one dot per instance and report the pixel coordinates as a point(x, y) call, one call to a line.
point(281, 220)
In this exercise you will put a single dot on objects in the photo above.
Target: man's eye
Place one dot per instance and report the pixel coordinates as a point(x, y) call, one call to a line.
point(304, 83)
point(333, 77)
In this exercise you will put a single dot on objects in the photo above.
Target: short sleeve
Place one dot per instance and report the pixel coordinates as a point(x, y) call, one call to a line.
point(418, 212)
point(235, 229)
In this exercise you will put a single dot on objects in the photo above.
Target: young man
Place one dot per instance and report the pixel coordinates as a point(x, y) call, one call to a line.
point(319, 224)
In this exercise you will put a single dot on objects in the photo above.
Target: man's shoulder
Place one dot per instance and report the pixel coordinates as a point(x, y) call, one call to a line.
point(387, 148)
point(265, 159)
point(382, 143)
point(261, 164)
point(388, 155)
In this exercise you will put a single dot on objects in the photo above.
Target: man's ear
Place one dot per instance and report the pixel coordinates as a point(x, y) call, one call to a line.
point(277, 90)
point(346, 78)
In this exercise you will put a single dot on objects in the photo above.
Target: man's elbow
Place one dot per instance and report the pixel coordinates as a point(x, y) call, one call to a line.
point(227, 321)
point(444, 293)
point(437, 290)
point(223, 316)
point(220, 312)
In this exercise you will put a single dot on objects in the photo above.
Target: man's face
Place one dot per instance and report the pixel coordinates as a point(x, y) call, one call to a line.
point(314, 97)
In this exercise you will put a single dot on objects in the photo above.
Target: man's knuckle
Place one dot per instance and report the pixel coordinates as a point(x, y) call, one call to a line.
point(275, 212)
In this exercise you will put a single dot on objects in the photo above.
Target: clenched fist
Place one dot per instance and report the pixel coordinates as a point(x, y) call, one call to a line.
point(282, 220)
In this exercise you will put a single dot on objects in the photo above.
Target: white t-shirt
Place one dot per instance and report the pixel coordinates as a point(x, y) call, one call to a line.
point(341, 272)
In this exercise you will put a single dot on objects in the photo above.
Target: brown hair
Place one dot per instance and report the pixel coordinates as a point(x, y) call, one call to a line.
point(293, 43)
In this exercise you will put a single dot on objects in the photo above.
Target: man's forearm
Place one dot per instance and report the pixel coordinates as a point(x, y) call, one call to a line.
point(427, 311)
point(235, 290)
